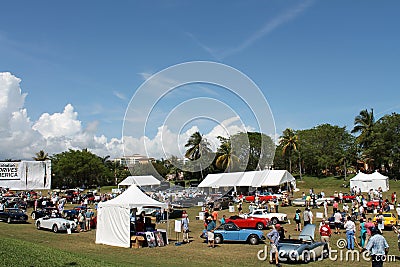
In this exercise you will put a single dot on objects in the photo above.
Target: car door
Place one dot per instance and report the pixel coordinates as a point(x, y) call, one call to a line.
point(231, 232)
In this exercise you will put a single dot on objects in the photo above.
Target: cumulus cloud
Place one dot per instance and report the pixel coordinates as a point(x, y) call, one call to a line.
point(20, 138)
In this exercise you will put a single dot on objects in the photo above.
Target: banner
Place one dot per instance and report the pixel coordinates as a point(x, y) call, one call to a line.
point(25, 175)
point(10, 171)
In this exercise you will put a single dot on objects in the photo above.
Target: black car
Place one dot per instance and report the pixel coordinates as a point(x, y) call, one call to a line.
point(220, 203)
point(39, 213)
point(13, 215)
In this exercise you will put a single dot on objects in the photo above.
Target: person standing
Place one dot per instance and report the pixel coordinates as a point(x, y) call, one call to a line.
point(185, 228)
point(380, 221)
point(306, 216)
point(214, 215)
point(377, 247)
point(210, 232)
point(335, 206)
point(274, 237)
point(338, 221)
point(363, 232)
point(326, 208)
point(88, 217)
point(350, 232)
point(325, 232)
point(297, 219)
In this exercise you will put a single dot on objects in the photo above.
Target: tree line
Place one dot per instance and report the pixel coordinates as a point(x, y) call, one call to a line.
point(323, 150)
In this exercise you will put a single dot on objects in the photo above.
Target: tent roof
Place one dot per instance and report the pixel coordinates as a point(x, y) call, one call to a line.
point(368, 177)
point(378, 175)
point(251, 178)
point(133, 197)
point(140, 180)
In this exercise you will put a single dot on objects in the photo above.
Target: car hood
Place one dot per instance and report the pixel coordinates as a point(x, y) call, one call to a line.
point(289, 247)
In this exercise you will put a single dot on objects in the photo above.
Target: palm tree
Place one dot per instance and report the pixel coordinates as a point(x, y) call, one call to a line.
point(363, 124)
point(289, 142)
point(226, 159)
point(198, 147)
point(41, 156)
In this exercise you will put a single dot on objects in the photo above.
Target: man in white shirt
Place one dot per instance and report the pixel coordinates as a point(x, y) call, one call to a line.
point(350, 227)
point(326, 208)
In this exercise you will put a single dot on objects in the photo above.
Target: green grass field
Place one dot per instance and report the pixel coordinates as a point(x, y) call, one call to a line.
point(23, 245)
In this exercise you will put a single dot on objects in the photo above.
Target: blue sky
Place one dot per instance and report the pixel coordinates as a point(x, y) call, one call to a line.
point(315, 61)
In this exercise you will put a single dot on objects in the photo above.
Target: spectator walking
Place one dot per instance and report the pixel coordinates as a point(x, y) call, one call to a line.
point(274, 237)
point(210, 232)
point(350, 232)
point(306, 216)
point(185, 228)
point(325, 232)
point(297, 219)
point(377, 247)
point(363, 232)
point(338, 221)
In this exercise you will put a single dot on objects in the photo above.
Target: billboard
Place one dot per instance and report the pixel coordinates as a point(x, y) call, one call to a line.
point(25, 175)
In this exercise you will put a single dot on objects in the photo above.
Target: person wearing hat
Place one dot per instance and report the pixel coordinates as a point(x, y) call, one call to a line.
point(210, 232)
point(325, 231)
point(377, 247)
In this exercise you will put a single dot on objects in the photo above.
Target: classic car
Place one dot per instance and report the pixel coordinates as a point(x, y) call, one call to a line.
point(273, 217)
point(373, 204)
point(303, 248)
point(348, 198)
point(231, 232)
point(10, 215)
point(389, 219)
point(39, 213)
point(250, 222)
point(320, 201)
point(219, 203)
point(263, 197)
point(55, 224)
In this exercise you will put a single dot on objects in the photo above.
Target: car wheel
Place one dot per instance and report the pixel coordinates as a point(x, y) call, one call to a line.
point(253, 240)
point(218, 239)
point(38, 225)
point(274, 220)
point(33, 215)
point(55, 228)
point(260, 226)
point(9, 220)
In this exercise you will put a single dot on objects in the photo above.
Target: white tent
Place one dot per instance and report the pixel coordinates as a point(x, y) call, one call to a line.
point(140, 180)
point(370, 181)
point(113, 216)
point(249, 179)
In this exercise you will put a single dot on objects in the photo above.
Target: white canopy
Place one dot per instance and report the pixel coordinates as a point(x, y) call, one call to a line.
point(370, 181)
point(113, 216)
point(140, 180)
point(248, 179)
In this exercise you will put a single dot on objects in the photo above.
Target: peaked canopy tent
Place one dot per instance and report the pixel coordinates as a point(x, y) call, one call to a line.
point(366, 182)
point(140, 181)
point(113, 216)
point(254, 179)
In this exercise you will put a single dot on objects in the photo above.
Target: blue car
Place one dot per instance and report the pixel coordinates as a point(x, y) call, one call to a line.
point(231, 232)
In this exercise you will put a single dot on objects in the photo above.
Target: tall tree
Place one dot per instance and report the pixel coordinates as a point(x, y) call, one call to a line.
point(41, 156)
point(289, 141)
point(198, 147)
point(226, 159)
point(363, 124)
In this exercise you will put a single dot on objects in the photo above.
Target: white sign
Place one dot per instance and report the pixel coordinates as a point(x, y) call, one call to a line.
point(178, 226)
point(9, 170)
point(319, 215)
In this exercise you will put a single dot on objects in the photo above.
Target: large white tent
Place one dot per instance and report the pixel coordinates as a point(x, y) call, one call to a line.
point(254, 179)
point(113, 216)
point(140, 180)
point(370, 181)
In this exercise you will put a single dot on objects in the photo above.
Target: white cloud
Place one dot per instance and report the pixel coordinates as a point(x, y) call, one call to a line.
point(54, 133)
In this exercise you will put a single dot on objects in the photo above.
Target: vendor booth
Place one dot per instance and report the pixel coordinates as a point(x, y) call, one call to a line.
point(114, 225)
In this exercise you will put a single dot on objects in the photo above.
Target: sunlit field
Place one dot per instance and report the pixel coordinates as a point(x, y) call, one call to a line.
point(24, 245)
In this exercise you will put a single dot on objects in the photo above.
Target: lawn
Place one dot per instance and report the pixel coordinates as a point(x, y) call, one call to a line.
point(23, 245)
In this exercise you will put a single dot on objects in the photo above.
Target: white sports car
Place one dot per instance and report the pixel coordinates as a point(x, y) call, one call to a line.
point(272, 216)
point(55, 224)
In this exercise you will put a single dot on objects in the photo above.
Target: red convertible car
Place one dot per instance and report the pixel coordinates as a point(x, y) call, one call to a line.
point(250, 222)
point(373, 204)
point(261, 198)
